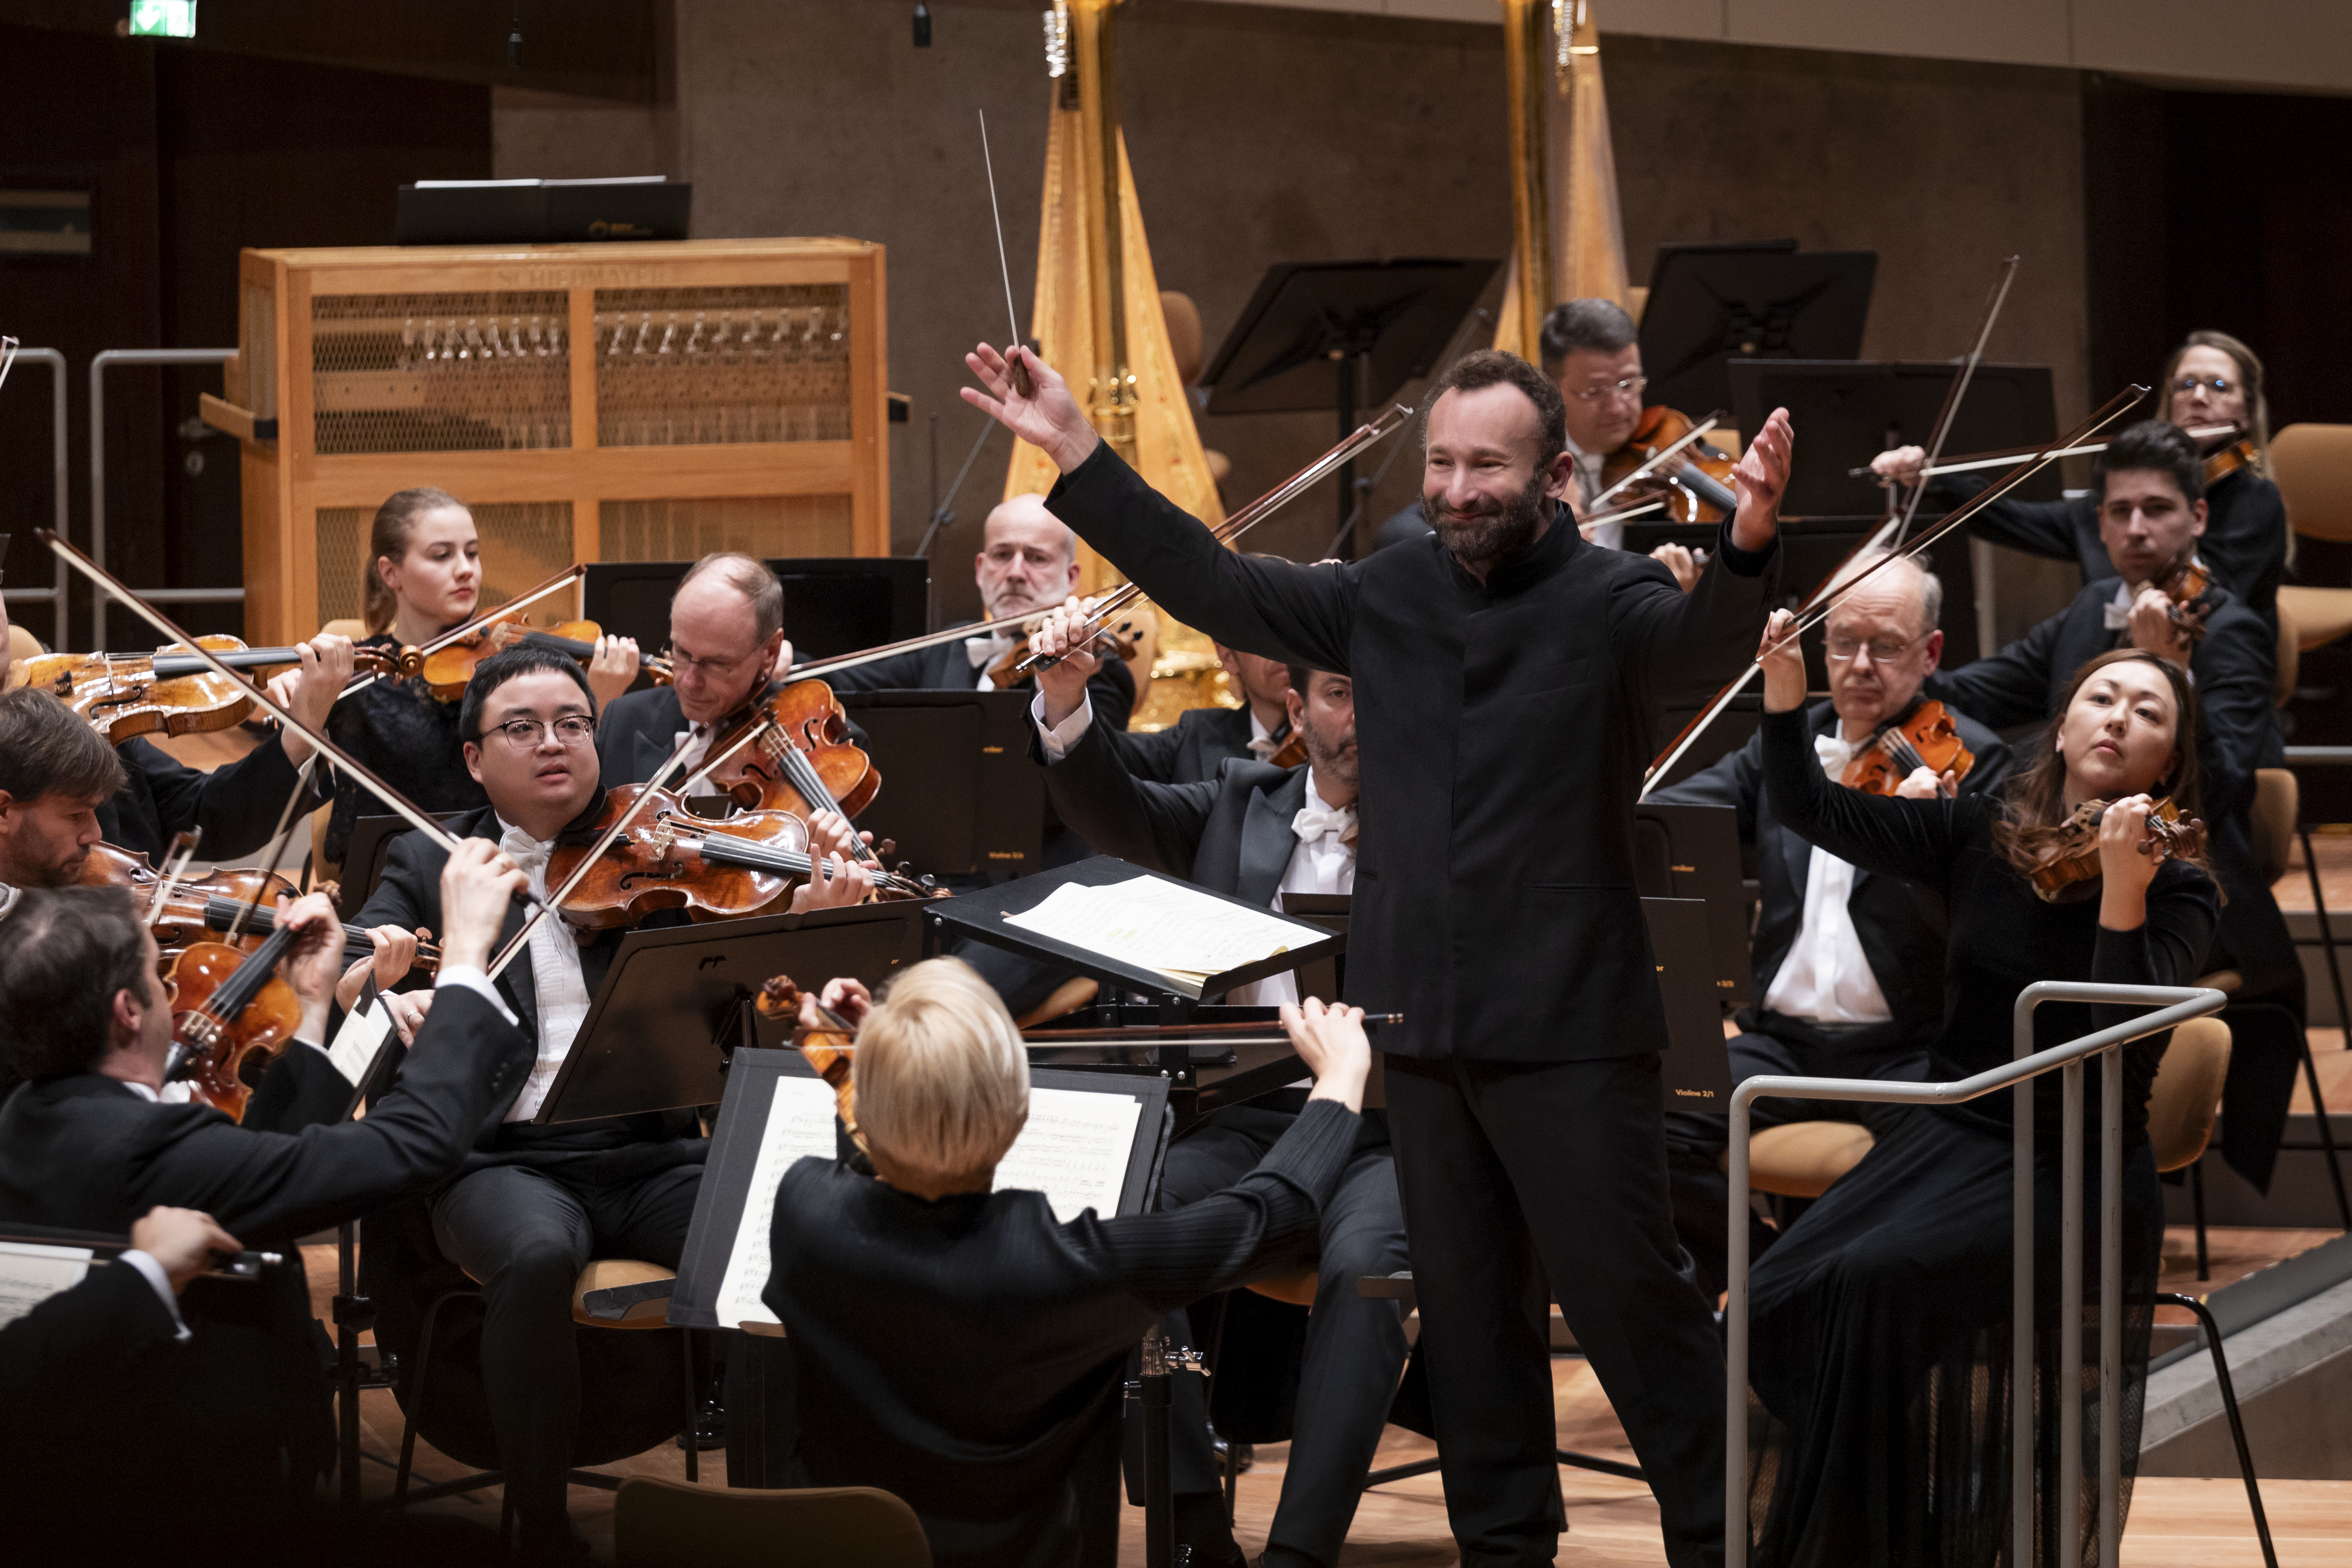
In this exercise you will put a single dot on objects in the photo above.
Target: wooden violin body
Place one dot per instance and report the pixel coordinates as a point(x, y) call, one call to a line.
point(657, 863)
point(1292, 752)
point(2186, 586)
point(183, 919)
point(827, 1050)
point(446, 670)
point(803, 762)
point(2228, 460)
point(1108, 644)
point(228, 1005)
point(1661, 427)
point(169, 692)
point(2067, 868)
point(1926, 738)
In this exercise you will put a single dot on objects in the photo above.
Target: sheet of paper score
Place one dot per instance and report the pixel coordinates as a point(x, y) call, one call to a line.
point(1157, 924)
point(1073, 1149)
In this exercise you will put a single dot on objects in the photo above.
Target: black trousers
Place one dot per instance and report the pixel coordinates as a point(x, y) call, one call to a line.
point(1355, 1347)
point(525, 1232)
point(1774, 1044)
point(1506, 1167)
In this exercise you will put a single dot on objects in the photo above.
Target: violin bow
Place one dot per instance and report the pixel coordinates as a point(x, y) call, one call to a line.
point(1690, 439)
point(569, 575)
point(2220, 433)
point(343, 760)
point(175, 867)
point(1897, 523)
point(1832, 594)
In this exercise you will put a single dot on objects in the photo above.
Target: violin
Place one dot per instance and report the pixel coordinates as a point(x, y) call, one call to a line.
point(1108, 643)
point(2184, 588)
point(194, 909)
point(1926, 738)
point(1698, 491)
point(2222, 463)
point(1292, 752)
point(126, 694)
point(228, 1007)
point(803, 762)
point(669, 858)
point(446, 669)
point(826, 1050)
point(2066, 868)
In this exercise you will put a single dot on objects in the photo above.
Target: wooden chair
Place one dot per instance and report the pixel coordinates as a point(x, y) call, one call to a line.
point(2312, 466)
point(1076, 992)
point(664, 1525)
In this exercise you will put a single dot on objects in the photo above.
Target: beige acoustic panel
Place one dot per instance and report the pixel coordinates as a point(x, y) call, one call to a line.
point(523, 544)
point(703, 366)
point(441, 373)
point(765, 526)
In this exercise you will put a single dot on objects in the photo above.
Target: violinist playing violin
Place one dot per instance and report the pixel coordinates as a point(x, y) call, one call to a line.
point(533, 1205)
point(1847, 964)
point(2212, 382)
point(726, 644)
point(422, 578)
point(2149, 484)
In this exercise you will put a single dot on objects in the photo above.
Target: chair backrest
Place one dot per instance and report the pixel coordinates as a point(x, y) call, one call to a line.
point(2289, 662)
point(2187, 1092)
point(2278, 805)
point(670, 1524)
point(2312, 466)
point(350, 626)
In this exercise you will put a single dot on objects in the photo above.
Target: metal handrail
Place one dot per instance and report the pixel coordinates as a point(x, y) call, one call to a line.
point(97, 368)
point(2302, 756)
point(2178, 1004)
point(55, 595)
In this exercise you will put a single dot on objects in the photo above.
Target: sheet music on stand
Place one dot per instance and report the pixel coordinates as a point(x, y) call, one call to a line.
point(1091, 1143)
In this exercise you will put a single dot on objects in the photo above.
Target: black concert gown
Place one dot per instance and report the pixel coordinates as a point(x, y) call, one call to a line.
point(1880, 1320)
point(409, 737)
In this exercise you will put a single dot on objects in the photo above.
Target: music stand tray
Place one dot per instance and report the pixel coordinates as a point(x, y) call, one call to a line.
point(1702, 862)
point(1696, 1069)
point(1711, 306)
point(981, 916)
point(672, 1008)
point(959, 792)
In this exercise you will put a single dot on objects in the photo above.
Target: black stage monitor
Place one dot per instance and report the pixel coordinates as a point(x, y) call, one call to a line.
point(832, 605)
point(1846, 411)
point(1712, 305)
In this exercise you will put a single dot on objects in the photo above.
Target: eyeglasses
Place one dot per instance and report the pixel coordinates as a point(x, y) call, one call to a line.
point(2219, 386)
point(525, 734)
point(716, 668)
point(1882, 650)
point(1630, 387)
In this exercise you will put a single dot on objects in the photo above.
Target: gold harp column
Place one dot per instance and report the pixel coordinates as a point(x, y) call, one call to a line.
point(1589, 241)
point(1529, 286)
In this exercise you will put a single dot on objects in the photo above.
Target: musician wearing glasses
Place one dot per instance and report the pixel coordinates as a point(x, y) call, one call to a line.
point(2212, 380)
point(725, 638)
point(1847, 962)
point(533, 1205)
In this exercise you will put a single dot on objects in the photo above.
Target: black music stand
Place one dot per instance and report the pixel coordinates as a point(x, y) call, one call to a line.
point(1710, 306)
point(960, 793)
point(1695, 1070)
point(676, 1003)
point(832, 605)
point(1693, 852)
point(1340, 334)
point(364, 855)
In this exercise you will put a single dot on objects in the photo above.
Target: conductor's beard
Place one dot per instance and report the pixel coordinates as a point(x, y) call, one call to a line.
point(1491, 532)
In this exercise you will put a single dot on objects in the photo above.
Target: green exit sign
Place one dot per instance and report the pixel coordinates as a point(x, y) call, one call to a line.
point(162, 19)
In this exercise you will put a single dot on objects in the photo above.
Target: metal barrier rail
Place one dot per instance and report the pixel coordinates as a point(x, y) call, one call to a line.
point(2318, 756)
point(2177, 1005)
point(97, 368)
point(55, 595)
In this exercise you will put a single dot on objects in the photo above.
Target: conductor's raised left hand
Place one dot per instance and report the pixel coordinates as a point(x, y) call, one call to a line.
point(1760, 477)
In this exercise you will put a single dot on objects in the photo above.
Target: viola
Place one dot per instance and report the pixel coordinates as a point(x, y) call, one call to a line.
point(1926, 738)
point(227, 1006)
point(826, 1050)
point(2066, 868)
point(669, 858)
point(1697, 490)
point(803, 761)
point(446, 670)
point(194, 908)
point(127, 694)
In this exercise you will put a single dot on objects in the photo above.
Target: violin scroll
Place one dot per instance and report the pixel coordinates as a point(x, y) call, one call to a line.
point(2066, 867)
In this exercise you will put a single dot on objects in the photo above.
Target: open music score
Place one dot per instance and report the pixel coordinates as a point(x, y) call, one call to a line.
point(1173, 930)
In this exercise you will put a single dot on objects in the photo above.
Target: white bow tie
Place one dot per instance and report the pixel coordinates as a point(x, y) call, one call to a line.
point(985, 651)
point(1316, 819)
point(527, 853)
point(1834, 752)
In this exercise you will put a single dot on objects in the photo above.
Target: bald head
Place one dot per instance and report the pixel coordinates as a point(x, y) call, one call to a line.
point(1882, 641)
point(1028, 560)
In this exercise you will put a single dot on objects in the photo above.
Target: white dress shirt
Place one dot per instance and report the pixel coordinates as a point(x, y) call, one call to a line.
point(983, 652)
point(1608, 535)
point(701, 735)
point(558, 985)
point(1826, 976)
point(1323, 860)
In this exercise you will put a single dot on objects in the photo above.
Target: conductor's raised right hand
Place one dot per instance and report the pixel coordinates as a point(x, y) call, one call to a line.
point(1049, 418)
point(1331, 1042)
point(478, 885)
point(1064, 637)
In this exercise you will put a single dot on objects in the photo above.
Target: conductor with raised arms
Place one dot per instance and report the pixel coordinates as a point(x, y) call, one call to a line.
point(1507, 669)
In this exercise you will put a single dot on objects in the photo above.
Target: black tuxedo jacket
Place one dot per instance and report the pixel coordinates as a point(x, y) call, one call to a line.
point(409, 897)
point(1902, 926)
point(2234, 667)
point(1503, 728)
point(243, 1406)
point(1231, 833)
point(1190, 751)
point(237, 804)
point(2244, 541)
